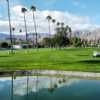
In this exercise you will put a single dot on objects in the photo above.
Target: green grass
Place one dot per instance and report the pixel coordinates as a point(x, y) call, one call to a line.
point(74, 59)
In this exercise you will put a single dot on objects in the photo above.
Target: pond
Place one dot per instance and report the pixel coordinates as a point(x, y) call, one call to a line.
point(26, 86)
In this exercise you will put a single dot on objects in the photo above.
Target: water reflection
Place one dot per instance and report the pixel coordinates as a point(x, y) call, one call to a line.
point(27, 86)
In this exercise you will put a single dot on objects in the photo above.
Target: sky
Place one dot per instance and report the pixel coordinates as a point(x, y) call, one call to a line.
point(79, 14)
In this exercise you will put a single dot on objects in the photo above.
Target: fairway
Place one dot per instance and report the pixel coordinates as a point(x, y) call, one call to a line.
point(69, 59)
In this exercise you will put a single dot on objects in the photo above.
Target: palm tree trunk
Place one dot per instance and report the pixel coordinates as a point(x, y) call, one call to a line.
point(13, 38)
point(10, 29)
point(49, 33)
point(26, 28)
point(35, 29)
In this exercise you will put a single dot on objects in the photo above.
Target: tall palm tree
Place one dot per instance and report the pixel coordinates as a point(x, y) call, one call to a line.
point(58, 23)
point(49, 19)
point(58, 28)
point(20, 31)
point(13, 30)
point(70, 32)
point(10, 27)
point(33, 9)
point(54, 21)
point(62, 24)
point(24, 10)
point(49, 27)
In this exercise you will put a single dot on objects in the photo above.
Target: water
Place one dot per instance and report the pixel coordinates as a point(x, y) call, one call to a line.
point(32, 87)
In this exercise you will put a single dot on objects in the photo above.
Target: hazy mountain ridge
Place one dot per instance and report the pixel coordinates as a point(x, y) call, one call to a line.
point(5, 36)
point(83, 34)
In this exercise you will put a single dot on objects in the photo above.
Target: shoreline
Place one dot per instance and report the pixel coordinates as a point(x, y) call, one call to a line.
point(71, 73)
point(52, 72)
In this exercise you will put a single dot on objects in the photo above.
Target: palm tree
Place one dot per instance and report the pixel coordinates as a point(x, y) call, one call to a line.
point(20, 31)
point(58, 28)
point(49, 28)
point(10, 29)
point(62, 24)
point(70, 31)
point(13, 29)
point(49, 19)
point(33, 9)
point(24, 10)
point(54, 21)
point(58, 24)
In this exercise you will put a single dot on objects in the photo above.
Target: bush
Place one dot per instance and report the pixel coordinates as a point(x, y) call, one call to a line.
point(4, 45)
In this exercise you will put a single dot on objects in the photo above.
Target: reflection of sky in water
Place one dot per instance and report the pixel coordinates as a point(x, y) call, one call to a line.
point(20, 85)
point(69, 89)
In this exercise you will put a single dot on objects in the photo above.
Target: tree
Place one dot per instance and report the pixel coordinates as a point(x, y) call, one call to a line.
point(14, 40)
point(33, 9)
point(54, 21)
point(77, 42)
point(4, 45)
point(49, 27)
point(61, 39)
point(10, 27)
point(70, 31)
point(46, 42)
point(62, 24)
point(24, 10)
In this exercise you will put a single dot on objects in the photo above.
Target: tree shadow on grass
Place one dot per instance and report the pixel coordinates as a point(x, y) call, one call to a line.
point(4, 56)
point(82, 55)
point(90, 61)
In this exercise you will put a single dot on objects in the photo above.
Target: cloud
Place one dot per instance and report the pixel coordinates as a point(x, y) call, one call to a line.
point(20, 85)
point(75, 21)
point(78, 3)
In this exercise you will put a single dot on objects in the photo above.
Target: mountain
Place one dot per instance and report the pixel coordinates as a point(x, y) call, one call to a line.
point(88, 34)
point(5, 36)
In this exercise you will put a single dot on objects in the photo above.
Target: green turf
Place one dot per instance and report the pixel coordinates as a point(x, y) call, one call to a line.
point(75, 59)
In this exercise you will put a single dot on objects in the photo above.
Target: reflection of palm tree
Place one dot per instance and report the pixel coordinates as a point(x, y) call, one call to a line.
point(27, 84)
point(36, 96)
point(33, 9)
point(10, 26)
point(12, 87)
point(51, 88)
point(24, 11)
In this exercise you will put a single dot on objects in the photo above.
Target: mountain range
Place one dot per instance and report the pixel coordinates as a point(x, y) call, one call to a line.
point(84, 34)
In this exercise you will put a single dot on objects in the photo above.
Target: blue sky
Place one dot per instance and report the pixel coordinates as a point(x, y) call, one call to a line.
point(82, 8)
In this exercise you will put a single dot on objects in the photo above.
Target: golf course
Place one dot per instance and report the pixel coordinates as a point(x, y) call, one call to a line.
point(67, 59)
